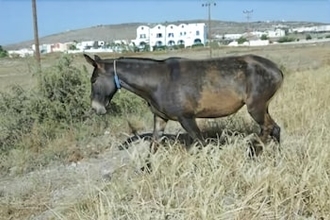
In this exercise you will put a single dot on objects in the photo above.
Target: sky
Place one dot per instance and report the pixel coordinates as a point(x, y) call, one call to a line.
point(56, 16)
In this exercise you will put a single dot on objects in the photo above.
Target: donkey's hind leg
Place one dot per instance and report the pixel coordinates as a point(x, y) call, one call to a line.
point(190, 125)
point(276, 133)
point(259, 112)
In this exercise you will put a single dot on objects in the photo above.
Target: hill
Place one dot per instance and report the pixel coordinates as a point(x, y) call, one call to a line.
point(128, 31)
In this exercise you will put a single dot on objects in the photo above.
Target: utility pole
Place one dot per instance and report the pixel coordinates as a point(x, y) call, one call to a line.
point(209, 4)
point(248, 14)
point(36, 37)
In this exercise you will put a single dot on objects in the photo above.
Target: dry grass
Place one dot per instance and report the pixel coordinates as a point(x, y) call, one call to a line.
point(226, 184)
point(209, 184)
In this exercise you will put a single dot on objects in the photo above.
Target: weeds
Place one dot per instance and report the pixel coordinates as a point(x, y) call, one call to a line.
point(212, 184)
point(59, 103)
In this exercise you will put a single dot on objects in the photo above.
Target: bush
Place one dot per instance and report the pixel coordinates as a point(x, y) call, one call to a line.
point(15, 116)
point(308, 37)
point(286, 39)
point(127, 103)
point(197, 45)
point(264, 37)
point(64, 92)
point(241, 40)
point(3, 53)
point(59, 102)
point(59, 99)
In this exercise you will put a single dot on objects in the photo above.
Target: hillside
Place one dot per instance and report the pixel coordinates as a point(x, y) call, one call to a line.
point(128, 31)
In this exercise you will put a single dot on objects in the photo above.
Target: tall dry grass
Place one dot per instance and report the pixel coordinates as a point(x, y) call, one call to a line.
point(226, 184)
point(37, 182)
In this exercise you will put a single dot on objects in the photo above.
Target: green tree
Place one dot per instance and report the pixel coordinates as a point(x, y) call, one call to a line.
point(264, 37)
point(241, 40)
point(3, 52)
point(308, 37)
point(72, 47)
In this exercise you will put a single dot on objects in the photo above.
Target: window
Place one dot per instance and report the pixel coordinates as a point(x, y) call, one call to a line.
point(197, 33)
point(170, 35)
point(159, 35)
point(143, 36)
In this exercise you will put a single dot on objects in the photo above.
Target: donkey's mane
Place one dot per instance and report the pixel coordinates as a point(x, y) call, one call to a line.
point(141, 59)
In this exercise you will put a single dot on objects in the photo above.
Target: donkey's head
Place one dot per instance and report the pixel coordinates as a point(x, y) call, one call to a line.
point(104, 83)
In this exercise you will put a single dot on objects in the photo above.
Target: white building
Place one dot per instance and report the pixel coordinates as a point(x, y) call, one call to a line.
point(88, 44)
point(21, 52)
point(275, 33)
point(170, 35)
point(320, 28)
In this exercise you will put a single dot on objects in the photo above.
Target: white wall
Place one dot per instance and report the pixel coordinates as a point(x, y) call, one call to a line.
point(171, 34)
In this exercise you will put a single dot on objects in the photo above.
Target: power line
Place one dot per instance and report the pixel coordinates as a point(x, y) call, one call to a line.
point(209, 4)
point(248, 15)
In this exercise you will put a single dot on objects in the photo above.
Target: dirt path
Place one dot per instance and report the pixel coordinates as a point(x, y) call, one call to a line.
point(50, 190)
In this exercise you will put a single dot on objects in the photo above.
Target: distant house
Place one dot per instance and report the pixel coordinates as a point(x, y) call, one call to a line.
point(320, 28)
point(170, 35)
point(43, 48)
point(83, 45)
point(275, 33)
point(21, 52)
point(232, 36)
point(60, 47)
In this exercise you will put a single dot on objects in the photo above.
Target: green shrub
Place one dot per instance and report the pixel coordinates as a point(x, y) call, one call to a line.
point(59, 102)
point(64, 92)
point(197, 45)
point(127, 103)
point(264, 37)
point(3, 53)
point(59, 99)
point(308, 37)
point(15, 118)
point(241, 40)
point(286, 39)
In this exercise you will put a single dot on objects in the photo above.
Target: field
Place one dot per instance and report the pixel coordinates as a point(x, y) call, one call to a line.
point(73, 169)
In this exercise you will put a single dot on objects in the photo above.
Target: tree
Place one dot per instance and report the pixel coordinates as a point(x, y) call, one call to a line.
point(308, 37)
point(241, 40)
point(264, 37)
point(72, 47)
point(3, 52)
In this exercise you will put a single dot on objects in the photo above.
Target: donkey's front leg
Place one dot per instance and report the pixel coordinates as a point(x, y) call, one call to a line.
point(159, 127)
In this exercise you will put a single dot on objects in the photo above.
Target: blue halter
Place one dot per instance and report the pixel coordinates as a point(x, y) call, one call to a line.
point(116, 78)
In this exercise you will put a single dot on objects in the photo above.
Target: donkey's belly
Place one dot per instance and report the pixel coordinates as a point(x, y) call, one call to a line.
point(162, 114)
point(214, 105)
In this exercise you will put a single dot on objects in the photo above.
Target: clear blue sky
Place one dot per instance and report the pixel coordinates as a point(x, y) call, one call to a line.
point(59, 15)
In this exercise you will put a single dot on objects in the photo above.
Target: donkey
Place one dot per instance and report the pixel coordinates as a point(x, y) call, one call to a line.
point(185, 89)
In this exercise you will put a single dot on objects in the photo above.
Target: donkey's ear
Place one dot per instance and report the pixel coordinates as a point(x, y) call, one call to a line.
point(97, 58)
point(90, 60)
